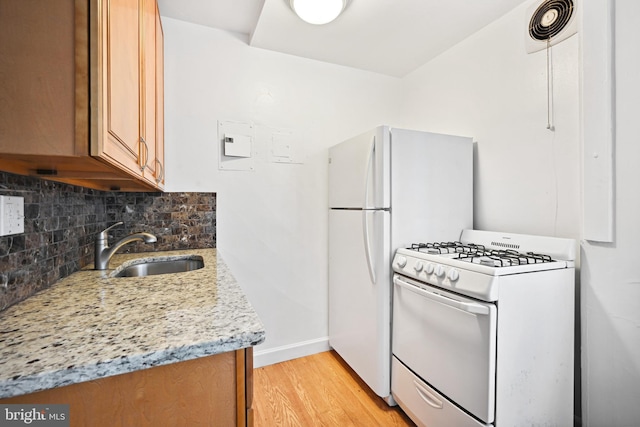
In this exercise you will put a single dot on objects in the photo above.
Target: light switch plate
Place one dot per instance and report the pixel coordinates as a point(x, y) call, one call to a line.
point(11, 215)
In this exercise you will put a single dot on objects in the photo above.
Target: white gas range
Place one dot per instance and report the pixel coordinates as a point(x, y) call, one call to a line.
point(483, 330)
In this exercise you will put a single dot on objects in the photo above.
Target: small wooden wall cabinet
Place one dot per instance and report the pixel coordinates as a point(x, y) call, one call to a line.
point(81, 92)
point(210, 391)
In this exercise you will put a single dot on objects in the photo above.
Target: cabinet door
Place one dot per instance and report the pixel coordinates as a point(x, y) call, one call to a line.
point(152, 108)
point(159, 102)
point(119, 141)
point(148, 89)
point(37, 79)
point(206, 391)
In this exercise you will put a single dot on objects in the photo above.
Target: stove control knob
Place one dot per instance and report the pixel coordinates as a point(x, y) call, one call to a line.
point(418, 267)
point(402, 261)
point(429, 269)
point(453, 275)
point(439, 270)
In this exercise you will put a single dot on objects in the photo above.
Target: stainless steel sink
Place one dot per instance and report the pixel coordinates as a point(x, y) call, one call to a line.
point(154, 267)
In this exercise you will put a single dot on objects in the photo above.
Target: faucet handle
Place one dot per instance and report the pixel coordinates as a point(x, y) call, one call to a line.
point(104, 234)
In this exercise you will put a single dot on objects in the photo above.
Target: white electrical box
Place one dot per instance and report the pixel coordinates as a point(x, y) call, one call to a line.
point(11, 215)
point(237, 145)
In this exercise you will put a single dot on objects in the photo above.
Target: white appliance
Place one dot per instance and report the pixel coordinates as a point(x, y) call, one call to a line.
point(385, 187)
point(483, 331)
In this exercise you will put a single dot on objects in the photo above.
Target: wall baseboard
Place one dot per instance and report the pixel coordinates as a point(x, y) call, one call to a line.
point(288, 352)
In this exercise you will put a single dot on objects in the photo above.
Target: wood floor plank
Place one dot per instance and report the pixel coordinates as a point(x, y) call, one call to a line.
point(272, 405)
point(319, 390)
point(348, 393)
point(326, 395)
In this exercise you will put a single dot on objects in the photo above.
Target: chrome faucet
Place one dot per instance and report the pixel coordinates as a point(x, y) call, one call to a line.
point(103, 252)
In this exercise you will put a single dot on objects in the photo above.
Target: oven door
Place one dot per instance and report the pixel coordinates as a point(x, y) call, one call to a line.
point(449, 341)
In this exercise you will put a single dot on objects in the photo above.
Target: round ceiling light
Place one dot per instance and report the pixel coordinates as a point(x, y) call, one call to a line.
point(318, 12)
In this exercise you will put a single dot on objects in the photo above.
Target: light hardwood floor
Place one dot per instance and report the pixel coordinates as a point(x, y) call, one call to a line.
point(318, 390)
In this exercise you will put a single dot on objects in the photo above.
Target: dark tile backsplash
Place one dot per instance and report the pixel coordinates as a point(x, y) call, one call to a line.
point(61, 222)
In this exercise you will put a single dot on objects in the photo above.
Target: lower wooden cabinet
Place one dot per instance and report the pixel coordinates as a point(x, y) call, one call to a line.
point(209, 391)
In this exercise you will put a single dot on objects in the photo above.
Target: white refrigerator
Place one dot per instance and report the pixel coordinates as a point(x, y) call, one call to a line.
point(388, 188)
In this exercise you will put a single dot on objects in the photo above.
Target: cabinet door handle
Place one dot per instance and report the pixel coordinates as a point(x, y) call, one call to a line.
point(160, 175)
point(146, 154)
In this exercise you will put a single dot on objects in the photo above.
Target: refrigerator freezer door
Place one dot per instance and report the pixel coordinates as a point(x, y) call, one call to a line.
point(359, 172)
point(360, 310)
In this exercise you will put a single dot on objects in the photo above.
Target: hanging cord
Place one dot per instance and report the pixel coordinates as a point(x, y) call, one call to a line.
point(550, 126)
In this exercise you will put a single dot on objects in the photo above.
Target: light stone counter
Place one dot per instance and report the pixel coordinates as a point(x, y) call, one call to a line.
point(90, 325)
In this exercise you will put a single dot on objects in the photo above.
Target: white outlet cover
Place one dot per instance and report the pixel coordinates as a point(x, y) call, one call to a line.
point(11, 215)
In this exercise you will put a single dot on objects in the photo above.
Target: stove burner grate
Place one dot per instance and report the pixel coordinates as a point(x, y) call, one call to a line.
point(447, 247)
point(479, 254)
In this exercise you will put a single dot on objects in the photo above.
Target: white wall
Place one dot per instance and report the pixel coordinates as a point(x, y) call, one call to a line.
point(272, 221)
point(527, 178)
point(610, 273)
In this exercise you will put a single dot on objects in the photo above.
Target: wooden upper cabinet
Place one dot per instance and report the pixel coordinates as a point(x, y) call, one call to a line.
point(79, 92)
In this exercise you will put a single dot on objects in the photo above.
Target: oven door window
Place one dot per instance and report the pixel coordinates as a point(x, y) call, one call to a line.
point(449, 341)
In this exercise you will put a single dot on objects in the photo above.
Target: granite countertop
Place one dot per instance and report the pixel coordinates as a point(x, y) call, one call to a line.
point(90, 325)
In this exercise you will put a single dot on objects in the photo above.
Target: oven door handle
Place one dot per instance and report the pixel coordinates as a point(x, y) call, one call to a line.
point(469, 307)
point(429, 398)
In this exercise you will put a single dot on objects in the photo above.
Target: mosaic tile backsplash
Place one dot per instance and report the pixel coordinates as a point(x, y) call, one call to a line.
point(61, 222)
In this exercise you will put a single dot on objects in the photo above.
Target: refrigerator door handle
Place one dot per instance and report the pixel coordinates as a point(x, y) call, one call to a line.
point(368, 176)
point(367, 245)
point(365, 222)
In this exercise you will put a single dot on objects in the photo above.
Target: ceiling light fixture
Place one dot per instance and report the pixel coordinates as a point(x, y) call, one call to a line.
point(318, 12)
